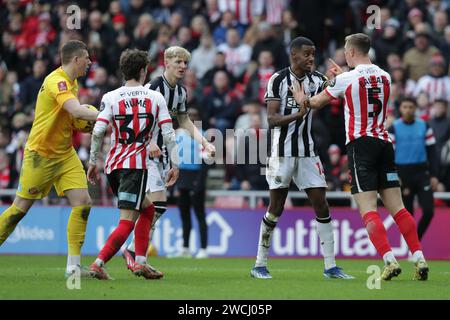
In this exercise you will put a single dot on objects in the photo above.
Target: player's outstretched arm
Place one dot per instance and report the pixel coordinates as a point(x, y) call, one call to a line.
point(186, 123)
point(316, 102)
point(80, 111)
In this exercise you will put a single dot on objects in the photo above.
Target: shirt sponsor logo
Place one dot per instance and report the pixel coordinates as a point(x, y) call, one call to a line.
point(392, 176)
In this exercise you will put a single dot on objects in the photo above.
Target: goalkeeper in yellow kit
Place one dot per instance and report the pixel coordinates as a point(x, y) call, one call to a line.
point(50, 158)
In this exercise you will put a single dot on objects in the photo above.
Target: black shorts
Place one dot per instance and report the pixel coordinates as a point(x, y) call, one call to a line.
point(371, 164)
point(128, 185)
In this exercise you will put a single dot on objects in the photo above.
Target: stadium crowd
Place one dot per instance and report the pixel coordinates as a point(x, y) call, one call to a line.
point(236, 46)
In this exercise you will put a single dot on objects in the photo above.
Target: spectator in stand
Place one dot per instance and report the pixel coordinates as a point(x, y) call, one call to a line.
point(203, 57)
point(30, 86)
point(415, 17)
point(436, 84)
point(121, 43)
point(267, 41)
point(440, 124)
point(289, 28)
point(389, 42)
point(99, 86)
point(423, 107)
point(99, 34)
point(237, 54)
point(416, 59)
point(176, 21)
point(333, 174)
point(213, 13)
point(158, 46)
point(221, 106)
point(445, 47)
point(165, 10)
point(226, 22)
point(135, 10)
point(244, 121)
point(8, 176)
point(6, 93)
point(440, 21)
point(219, 65)
point(257, 83)
point(184, 39)
point(199, 28)
point(244, 10)
point(144, 32)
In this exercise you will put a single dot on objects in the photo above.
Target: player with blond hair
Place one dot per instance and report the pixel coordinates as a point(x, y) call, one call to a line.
point(176, 60)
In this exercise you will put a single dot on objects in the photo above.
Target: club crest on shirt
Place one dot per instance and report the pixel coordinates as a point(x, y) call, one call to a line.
point(62, 86)
point(332, 82)
point(312, 87)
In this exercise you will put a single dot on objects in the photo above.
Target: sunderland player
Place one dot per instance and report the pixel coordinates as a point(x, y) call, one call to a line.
point(294, 156)
point(176, 61)
point(370, 152)
point(134, 112)
point(49, 157)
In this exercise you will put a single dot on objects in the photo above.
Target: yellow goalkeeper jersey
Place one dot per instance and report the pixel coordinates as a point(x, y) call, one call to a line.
point(51, 133)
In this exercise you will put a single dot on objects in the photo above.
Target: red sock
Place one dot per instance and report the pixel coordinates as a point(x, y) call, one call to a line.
point(116, 240)
point(407, 226)
point(142, 231)
point(377, 232)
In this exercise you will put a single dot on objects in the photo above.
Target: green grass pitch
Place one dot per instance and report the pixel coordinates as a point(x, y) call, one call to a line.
point(42, 277)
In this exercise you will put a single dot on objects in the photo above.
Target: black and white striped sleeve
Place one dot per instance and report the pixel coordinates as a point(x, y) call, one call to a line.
point(156, 85)
point(273, 88)
point(182, 93)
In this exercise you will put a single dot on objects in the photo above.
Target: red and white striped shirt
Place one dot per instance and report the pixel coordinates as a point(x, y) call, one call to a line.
point(366, 92)
point(274, 11)
point(244, 10)
point(434, 87)
point(133, 113)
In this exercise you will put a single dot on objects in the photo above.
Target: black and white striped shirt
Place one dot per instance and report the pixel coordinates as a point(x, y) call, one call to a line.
point(175, 96)
point(296, 139)
point(176, 104)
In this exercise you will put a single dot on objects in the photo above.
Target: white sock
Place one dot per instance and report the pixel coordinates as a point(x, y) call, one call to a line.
point(130, 247)
point(418, 255)
point(141, 260)
point(72, 262)
point(265, 238)
point(325, 231)
point(99, 262)
point(389, 257)
point(152, 229)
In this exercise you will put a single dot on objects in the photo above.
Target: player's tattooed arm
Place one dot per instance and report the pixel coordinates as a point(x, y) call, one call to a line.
point(274, 117)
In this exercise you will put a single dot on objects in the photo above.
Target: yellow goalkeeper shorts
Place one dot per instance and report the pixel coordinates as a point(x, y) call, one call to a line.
point(39, 173)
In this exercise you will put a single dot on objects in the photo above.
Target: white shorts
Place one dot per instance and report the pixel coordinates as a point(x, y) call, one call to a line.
point(156, 178)
point(307, 172)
